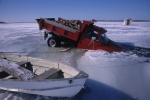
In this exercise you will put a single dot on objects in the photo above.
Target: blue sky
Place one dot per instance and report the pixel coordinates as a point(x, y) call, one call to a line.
point(28, 10)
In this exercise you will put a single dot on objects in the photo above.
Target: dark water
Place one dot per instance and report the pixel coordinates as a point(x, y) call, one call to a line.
point(92, 91)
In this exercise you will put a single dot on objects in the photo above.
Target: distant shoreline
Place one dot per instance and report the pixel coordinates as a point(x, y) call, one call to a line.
point(15, 22)
point(1, 22)
point(122, 20)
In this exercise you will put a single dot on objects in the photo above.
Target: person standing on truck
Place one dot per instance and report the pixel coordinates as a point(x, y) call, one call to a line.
point(91, 33)
point(98, 34)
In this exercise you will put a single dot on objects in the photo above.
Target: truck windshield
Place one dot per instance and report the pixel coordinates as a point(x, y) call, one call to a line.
point(104, 39)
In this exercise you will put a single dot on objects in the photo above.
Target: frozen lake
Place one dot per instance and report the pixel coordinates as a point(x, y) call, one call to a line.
point(112, 76)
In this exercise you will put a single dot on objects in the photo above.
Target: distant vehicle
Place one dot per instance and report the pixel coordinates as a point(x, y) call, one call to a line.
point(49, 78)
point(75, 33)
point(127, 21)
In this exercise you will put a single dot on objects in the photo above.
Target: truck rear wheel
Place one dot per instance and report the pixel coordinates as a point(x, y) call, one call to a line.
point(53, 42)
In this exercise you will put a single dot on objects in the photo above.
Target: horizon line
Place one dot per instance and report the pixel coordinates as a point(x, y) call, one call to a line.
point(97, 20)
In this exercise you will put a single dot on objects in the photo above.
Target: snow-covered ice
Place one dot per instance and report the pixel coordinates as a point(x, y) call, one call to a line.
point(138, 33)
point(112, 76)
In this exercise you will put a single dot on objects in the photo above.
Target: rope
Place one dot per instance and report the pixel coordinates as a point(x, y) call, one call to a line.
point(91, 43)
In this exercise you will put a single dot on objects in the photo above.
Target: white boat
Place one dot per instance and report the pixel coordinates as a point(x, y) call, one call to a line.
point(50, 78)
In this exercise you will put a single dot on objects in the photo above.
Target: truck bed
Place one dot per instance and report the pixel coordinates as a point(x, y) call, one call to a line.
point(67, 28)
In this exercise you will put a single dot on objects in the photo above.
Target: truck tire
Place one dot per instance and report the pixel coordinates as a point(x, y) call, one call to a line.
point(53, 42)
